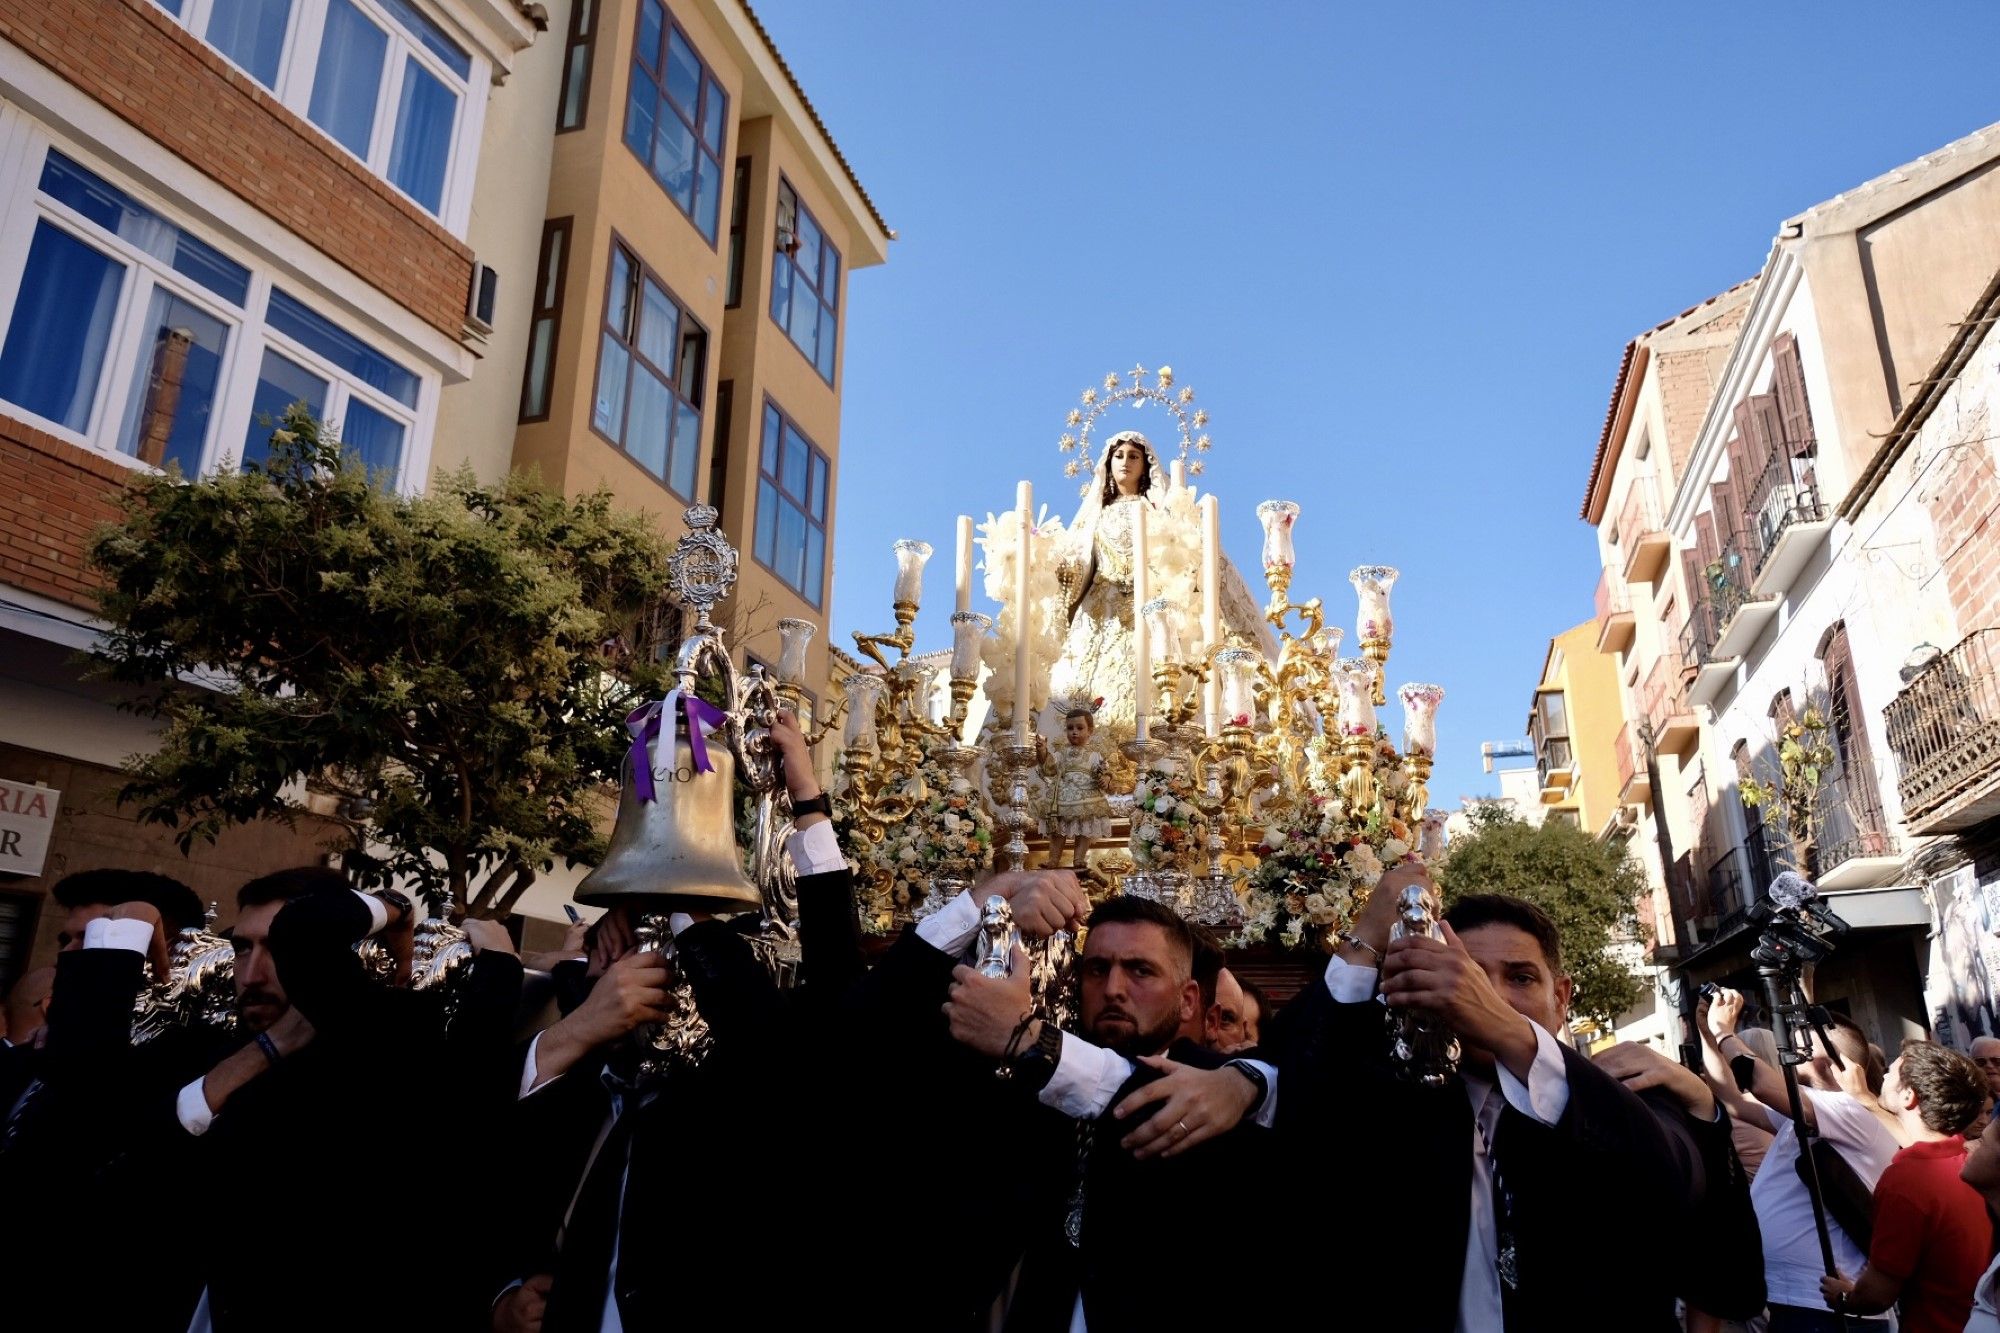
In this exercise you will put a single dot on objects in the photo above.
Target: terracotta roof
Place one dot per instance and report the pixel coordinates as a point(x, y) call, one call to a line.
point(1603, 453)
point(818, 124)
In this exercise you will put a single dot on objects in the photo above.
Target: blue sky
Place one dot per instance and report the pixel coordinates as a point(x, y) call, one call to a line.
point(1397, 250)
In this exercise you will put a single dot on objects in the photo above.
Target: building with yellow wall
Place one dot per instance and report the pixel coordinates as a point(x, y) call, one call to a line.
point(1574, 721)
point(687, 328)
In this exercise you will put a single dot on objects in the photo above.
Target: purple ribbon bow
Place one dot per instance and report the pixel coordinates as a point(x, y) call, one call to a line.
point(644, 725)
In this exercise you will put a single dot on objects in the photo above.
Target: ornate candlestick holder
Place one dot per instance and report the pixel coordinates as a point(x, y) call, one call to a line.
point(1420, 705)
point(1017, 762)
point(1374, 627)
point(1357, 778)
point(968, 632)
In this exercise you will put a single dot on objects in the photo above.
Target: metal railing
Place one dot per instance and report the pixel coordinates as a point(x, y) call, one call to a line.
point(1725, 886)
point(1721, 589)
point(1847, 822)
point(1639, 517)
point(1785, 493)
point(1611, 599)
point(1763, 850)
point(1944, 728)
point(1663, 696)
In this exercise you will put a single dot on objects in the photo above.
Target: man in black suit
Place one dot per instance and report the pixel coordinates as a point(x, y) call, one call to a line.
point(27, 1010)
point(1088, 1214)
point(654, 1201)
point(1468, 1202)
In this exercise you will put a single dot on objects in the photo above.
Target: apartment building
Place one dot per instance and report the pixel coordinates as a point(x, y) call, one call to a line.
point(210, 209)
point(1771, 607)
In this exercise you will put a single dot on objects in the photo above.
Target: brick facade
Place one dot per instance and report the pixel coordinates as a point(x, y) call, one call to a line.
point(1964, 504)
point(148, 70)
point(1688, 376)
point(53, 495)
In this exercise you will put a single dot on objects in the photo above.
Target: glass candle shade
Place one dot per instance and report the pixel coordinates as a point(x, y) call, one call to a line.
point(1326, 644)
point(1163, 620)
point(968, 636)
point(793, 636)
point(1431, 840)
point(1354, 678)
point(922, 673)
point(1420, 706)
point(863, 689)
point(910, 558)
point(1239, 690)
point(1277, 516)
point(1371, 585)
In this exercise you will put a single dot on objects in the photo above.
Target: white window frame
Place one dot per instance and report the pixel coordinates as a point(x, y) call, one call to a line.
point(298, 61)
point(22, 157)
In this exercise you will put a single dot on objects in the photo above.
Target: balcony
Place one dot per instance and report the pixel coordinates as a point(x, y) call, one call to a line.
point(1707, 671)
point(1643, 542)
point(1635, 783)
point(1556, 767)
point(1615, 626)
point(1741, 614)
point(1675, 730)
point(1944, 729)
point(1852, 848)
point(1787, 521)
point(1725, 887)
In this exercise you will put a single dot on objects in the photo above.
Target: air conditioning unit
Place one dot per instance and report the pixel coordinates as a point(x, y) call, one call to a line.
point(482, 299)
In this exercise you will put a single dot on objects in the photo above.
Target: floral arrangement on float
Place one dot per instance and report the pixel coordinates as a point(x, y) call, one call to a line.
point(947, 839)
point(1169, 831)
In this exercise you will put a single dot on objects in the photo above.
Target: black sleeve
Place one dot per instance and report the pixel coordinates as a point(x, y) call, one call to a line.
point(1728, 1279)
point(830, 934)
point(733, 989)
point(90, 1008)
point(312, 943)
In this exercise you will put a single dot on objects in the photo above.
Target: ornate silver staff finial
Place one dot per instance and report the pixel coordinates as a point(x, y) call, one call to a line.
point(996, 938)
point(702, 569)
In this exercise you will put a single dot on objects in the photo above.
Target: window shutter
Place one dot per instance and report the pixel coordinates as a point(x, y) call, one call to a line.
point(1788, 385)
point(1850, 732)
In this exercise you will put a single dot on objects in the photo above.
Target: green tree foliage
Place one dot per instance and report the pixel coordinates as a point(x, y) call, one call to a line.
point(1589, 887)
point(434, 663)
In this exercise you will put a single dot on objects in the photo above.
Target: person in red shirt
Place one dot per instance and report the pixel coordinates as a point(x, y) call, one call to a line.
point(1932, 1233)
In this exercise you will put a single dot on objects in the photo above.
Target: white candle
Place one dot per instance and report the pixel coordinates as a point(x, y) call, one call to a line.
point(1177, 474)
point(1211, 605)
point(964, 564)
point(1142, 687)
point(1024, 507)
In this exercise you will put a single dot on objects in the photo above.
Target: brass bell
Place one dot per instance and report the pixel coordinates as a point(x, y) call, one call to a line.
point(676, 852)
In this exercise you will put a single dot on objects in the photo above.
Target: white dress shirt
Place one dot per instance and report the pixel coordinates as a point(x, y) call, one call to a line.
point(1543, 1097)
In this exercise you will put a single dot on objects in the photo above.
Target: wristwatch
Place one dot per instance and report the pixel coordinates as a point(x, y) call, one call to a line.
point(396, 898)
point(1257, 1080)
point(1037, 1065)
point(821, 804)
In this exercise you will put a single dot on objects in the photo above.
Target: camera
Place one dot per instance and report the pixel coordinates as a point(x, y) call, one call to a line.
point(1710, 989)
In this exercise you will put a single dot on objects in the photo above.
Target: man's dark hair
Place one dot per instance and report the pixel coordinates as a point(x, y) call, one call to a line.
point(1951, 1092)
point(281, 886)
point(1207, 966)
point(1127, 910)
point(1847, 1038)
point(178, 905)
point(1503, 909)
point(1255, 994)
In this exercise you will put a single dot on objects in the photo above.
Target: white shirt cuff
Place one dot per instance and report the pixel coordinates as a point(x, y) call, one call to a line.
point(191, 1109)
point(1349, 983)
point(1546, 1093)
point(952, 927)
point(679, 922)
point(378, 911)
point(1267, 1110)
point(529, 1070)
point(816, 850)
point(1087, 1077)
point(104, 933)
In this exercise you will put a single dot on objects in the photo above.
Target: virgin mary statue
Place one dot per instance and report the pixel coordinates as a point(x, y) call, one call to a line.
point(1095, 574)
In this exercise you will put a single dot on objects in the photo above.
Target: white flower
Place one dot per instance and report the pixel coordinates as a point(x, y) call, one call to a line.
point(1274, 837)
point(1395, 849)
point(1164, 806)
point(951, 822)
point(960, 786)
point(907, 855)
point(1315, 904)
